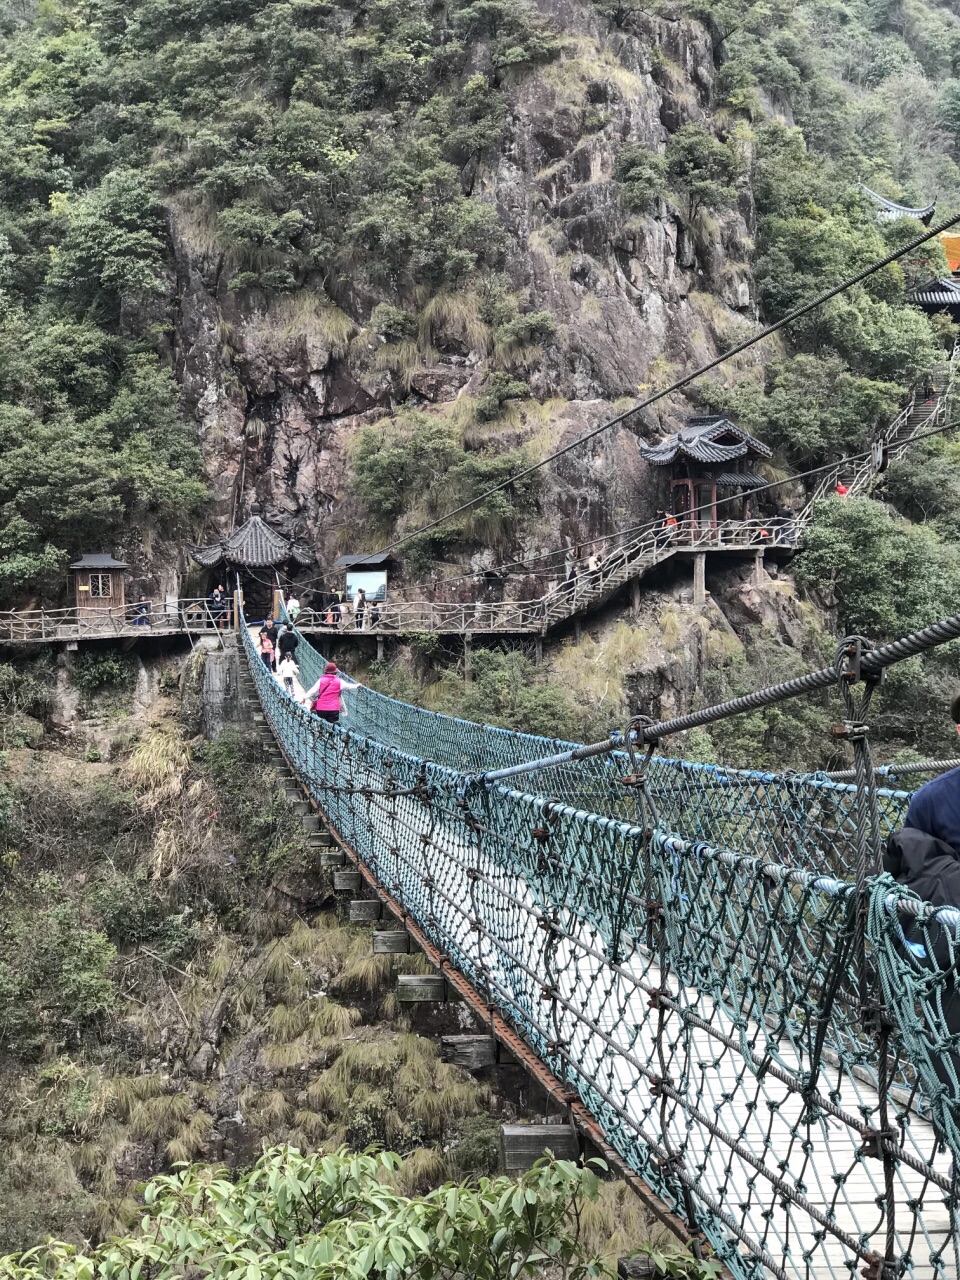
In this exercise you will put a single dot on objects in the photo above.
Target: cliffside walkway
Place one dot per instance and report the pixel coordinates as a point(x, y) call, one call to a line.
point(648, 547)
point(187, 617)
point(701, 964)
point(619, 566)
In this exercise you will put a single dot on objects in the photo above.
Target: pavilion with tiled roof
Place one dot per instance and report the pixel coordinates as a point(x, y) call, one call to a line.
point(253, 546)
point(709, 453)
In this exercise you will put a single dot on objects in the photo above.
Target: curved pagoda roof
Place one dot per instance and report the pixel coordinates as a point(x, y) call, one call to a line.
point(937, 293)
point(708, 439)
point(253, 546)
point(889, 210)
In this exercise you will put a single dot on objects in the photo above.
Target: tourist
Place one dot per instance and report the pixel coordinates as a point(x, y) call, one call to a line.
point(326, 696)
point(375, 613)
point(924, 856)
point(935, 807)
point(288, 671)
point(287, 642)
point(270, 630)
point(292, 607)
point(842, 489)
point(141, 612)
point(266, 649)
point(218, 606)
point(785, 516)
point(359, 608)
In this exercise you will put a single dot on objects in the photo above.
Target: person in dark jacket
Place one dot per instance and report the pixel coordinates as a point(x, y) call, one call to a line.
point(287, 643)
point(924, 856)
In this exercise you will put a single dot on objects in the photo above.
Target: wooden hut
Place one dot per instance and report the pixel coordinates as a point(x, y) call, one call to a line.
point(98, 586)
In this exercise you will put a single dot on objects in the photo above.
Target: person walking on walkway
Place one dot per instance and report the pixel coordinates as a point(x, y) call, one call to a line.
point(287, 642)
point(266, 649)
point(293, 607)
point(218, 606)
point(325, 698)
point(288, 671)
point(359, 608)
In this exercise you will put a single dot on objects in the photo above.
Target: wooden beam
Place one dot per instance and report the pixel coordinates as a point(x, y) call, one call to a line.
point(320, 840)
point(419, 988)
point(365, 911)
point(310, 822)
point(469, 1052)
point(640, 1267)
point(346, 881)
point(332, 858)
point(522, 1145)
point(391, 942)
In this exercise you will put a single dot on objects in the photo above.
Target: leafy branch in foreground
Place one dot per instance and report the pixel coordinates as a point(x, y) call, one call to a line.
point(337, 1216)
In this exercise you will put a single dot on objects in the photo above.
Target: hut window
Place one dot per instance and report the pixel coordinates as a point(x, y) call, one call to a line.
point(100, 586)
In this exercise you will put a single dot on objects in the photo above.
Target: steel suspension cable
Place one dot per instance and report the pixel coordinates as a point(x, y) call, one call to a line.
point(872, 663)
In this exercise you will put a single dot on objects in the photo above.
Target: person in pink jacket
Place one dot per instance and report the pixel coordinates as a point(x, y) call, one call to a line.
point(324, 697)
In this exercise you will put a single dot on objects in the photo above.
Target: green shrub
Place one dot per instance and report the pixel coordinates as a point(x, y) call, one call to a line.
point(642, 176)
point(96, 669)
point(498, 389)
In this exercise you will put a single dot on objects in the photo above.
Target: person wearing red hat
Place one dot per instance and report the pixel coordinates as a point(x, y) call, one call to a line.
point(326, 696)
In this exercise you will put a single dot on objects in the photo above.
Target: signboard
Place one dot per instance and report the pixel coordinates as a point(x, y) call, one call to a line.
point(373, 581)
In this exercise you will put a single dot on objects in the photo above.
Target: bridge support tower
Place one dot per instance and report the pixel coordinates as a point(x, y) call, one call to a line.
point(758, 570)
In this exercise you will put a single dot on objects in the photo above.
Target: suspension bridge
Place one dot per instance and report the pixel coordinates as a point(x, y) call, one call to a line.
point(701, 963)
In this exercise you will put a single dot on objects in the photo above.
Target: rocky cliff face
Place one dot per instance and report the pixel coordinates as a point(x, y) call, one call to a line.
point(280, 387)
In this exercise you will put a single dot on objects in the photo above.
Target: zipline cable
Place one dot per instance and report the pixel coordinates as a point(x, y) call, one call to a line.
point(792, 316)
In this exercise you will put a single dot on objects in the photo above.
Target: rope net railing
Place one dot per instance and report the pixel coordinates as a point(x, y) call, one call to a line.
point(802, 820)
point(766, 1035)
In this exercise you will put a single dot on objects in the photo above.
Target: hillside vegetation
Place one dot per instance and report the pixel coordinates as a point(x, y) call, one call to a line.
point(345, 157)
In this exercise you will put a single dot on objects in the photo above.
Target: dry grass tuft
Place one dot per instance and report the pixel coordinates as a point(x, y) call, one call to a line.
point(158, 767)
point(423, 1168)
point(312, 317)
point(457, 316)
point(616, 1223)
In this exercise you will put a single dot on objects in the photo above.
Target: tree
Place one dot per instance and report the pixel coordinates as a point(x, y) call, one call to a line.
point(888, 576)
point(813, 407)
point(113, 247)
point(642, 177)
point(703, 168)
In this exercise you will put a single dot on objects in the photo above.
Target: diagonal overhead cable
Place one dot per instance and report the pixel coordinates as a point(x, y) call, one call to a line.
point(685, 381)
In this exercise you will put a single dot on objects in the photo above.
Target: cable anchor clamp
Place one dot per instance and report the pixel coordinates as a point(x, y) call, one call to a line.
point(874, 1141)
point(850, 731)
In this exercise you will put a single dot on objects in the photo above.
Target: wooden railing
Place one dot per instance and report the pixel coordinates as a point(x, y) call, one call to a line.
point(188, 617)
point(586, 590)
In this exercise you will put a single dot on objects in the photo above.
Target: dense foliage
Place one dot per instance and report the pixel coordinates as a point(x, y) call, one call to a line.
point(353, 160)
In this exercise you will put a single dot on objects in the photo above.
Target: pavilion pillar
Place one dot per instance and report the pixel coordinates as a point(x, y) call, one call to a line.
point(700, 578)
point(467, 657)
point(236, 610)
point(277, 602)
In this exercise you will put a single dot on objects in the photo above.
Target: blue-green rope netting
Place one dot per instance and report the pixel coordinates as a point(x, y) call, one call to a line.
point(684, 957)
